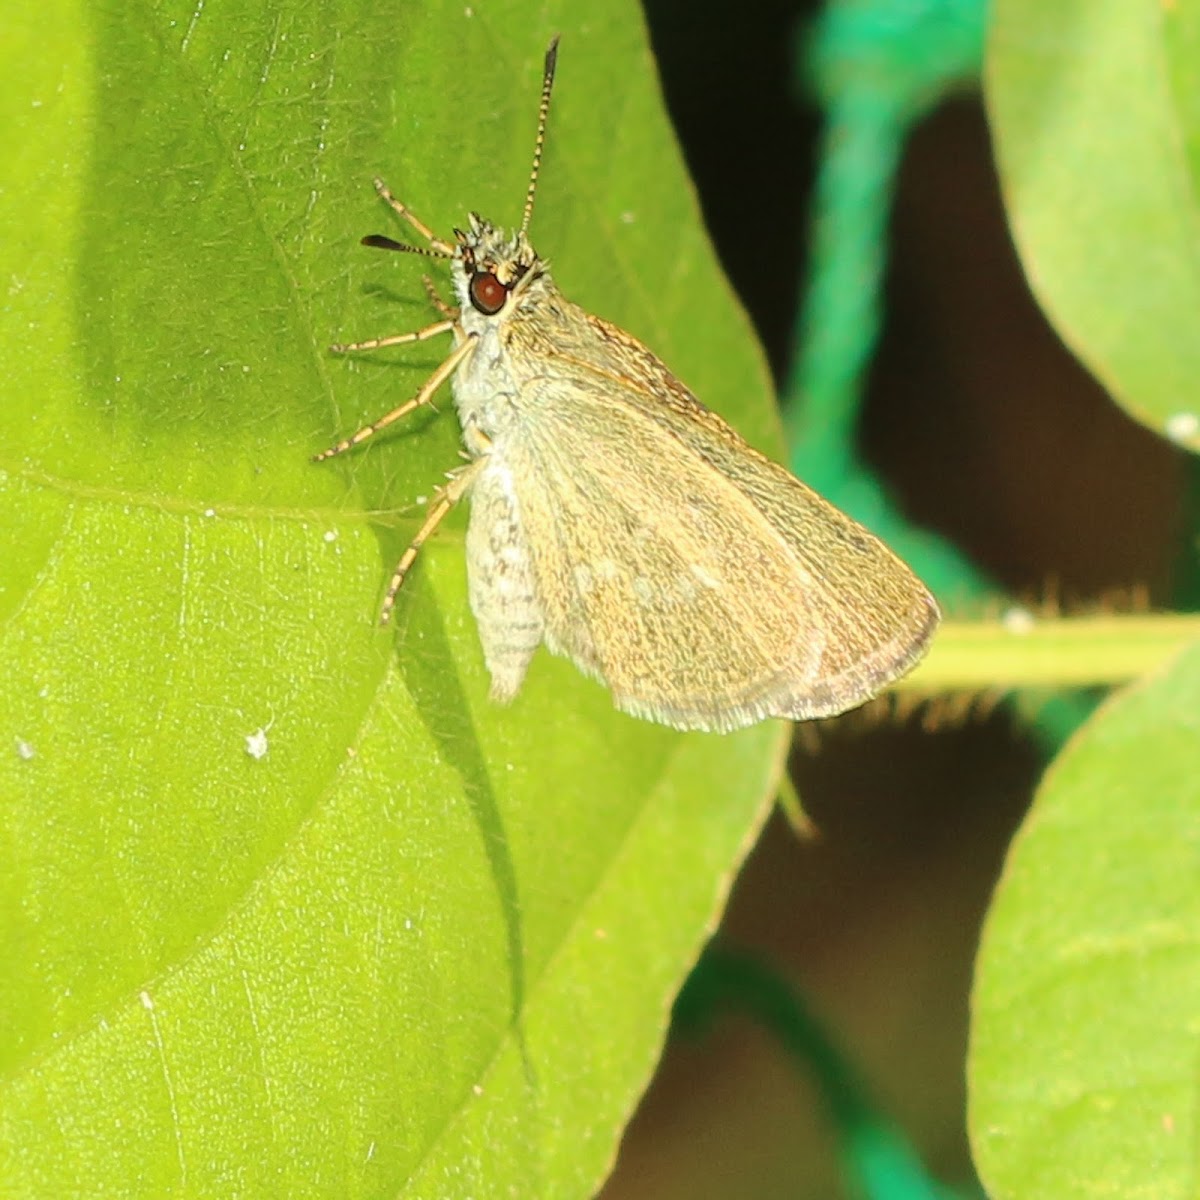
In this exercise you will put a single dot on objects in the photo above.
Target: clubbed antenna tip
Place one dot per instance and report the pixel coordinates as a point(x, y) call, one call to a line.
point(543, 111)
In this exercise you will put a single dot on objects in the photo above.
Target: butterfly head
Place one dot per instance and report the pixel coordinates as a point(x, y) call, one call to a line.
point(495, 268)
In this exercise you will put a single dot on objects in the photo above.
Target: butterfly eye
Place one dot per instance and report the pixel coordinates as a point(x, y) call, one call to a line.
point(487, 293)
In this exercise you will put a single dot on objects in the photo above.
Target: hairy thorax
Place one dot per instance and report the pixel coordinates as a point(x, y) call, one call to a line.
point(490, 383)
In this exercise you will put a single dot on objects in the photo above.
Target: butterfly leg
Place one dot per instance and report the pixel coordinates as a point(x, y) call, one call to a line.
point(443, 248)
point(430, 386)
point(447, 497)
point(447, 310)
point(400, 339)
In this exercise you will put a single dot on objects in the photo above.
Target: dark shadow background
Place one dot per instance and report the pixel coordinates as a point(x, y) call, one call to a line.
point(988, 431)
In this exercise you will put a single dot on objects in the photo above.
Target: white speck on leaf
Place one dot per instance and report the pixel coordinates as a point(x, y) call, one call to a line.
point(256, 744)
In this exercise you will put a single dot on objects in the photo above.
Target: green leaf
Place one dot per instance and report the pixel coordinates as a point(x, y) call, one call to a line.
point(1085, 1055)
point(1095, 108)
point(288, 907)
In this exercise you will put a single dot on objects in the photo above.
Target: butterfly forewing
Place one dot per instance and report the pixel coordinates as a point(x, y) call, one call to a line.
point(876, 615)
point(653, 580)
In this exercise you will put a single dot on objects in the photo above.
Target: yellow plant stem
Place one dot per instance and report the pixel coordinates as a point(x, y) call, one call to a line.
point(1020, 649)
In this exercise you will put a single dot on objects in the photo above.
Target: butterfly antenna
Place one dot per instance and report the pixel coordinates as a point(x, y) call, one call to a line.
point(379, 241)
point(543, 111)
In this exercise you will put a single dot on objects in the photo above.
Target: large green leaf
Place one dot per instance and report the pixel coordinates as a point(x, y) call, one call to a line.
point(1085, 1056)
point(1095, 108)
point(289, 908)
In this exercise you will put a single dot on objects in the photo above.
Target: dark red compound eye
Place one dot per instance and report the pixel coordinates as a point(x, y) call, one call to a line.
point(487, 293)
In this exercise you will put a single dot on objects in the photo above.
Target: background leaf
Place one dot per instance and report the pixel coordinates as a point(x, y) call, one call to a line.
point(422, 945)
point(1095, 109)
point(1085, 1045)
